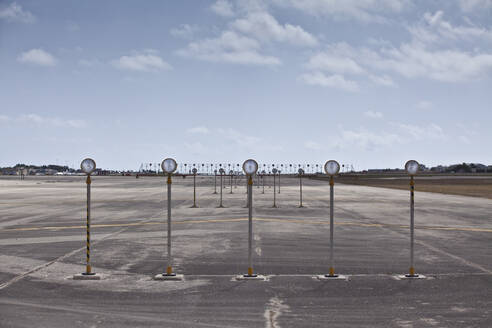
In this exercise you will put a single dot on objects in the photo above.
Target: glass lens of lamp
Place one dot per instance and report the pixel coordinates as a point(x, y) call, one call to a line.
point(412, 167)
point(88, 165)
point(169, 165)
point(250, 167)
point(332, 167)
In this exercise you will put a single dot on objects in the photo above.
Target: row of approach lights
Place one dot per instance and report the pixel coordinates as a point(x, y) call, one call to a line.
point(250, 167)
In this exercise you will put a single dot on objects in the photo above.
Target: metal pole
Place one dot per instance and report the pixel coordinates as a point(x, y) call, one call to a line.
point(215, 183)
point(231, 184)
point(250, 227)
point(88, 269)
point(169, 270)
point(412, 222)
point(263, 181)
point(279, 182)
point(300, 191)
point(194, 190)
point(274, 192)
point(332, 269)
point(221, 190)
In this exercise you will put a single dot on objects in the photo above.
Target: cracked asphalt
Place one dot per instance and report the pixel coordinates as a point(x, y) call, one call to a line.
point(42, 245)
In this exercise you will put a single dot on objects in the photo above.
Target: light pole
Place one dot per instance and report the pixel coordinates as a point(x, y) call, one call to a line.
point(263, 180)
point(194, 188)
point(231, 173)
point(279, 172)
point(221, 171)
point(250, 167)
point(169, 166)
point(301, 172)
point(412, 168)
point(215, 181)
point(88, 166)
point(274, 171)
point(331, 168)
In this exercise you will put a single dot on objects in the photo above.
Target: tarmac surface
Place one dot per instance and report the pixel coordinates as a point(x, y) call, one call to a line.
point(42, 246)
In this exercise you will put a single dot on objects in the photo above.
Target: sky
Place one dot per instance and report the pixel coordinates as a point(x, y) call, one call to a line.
point(370, 83)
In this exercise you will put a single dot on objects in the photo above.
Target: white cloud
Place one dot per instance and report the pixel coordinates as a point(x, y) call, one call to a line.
point(373, 114)
point(418, 132)
point(15, 13)
point(334, 81)
point(264, 27)
point(414, 60)
point(198, 130)
point(146, 61)
point(395, 134)
point(184, 31)
point(472, 5)
point(364, 139)
point(437, 50)
point(334, 63)
point(37, 57)
point(361, 10)
point(223, 8)
point(4, 118)
point(52, 121)
point(424, 104)
point(383, 80)
point(229, 47)
point(433, 29)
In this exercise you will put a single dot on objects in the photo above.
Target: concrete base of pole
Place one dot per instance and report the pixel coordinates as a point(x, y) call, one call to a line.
point(408, 276)
point(334, 277)
point(301, 206)
point(252, 277)
point(220, 206)
point(194, 206)
point(171, 277)
point(85, 276)
point(274, 206)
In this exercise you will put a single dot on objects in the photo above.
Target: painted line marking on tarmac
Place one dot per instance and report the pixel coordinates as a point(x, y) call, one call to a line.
point(60, 258)
point(92, 310)
point(357, 224)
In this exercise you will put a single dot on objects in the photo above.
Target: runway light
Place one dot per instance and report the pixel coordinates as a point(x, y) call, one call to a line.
point(250, 167)
point(332, 167)
point(169, 165)
point(412, 167)
point(88, 166)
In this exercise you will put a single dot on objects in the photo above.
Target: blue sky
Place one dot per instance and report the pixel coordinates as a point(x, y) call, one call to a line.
point(369, 83)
